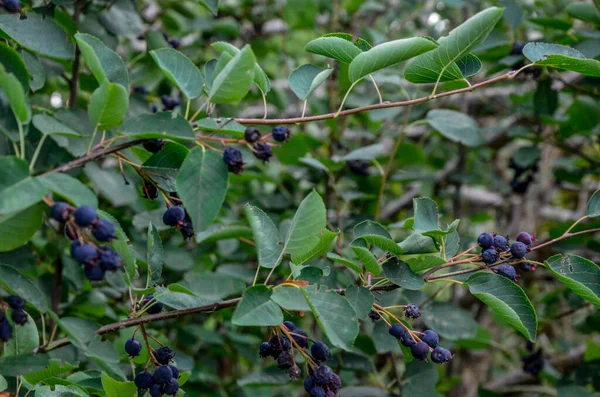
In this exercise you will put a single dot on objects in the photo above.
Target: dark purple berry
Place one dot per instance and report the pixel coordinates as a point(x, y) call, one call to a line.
point(187, 230)
point(507, 271)
point(149, 190)
point(143, 380)
point(16, 302)
point(285, 360)
point(156, 390)
point(155, 308)
point(420, 350)
point(500, 243)
point(83, 253)
point(264, 350)
point(61, 211)
point(518, 250)
point(154, 146)
point(252, 134)
point(533, 363)
point(140, 89)
point(233, 159)
point(262, 151)
point(19, 317)
point(318, 391)
point(163, 355)
point(85, 216)
point(439, 355)
point(407, 340)
point(6, 330)
point(336, 382)
point(104, 230)
point(172, 387)
point(175, 371)
point(309, 383)
point(374, 316)
point(300, 337)
point(320, 351)
point(153, 109)
point(173, 216)
point(281, 133)
point(94, 272)
point(289, 325)
point(412, 311)
point(489, 256)
point(397, 330)
point(279, 344)
point(12, 6)
point(527, 267)
point(162, 374)
point(431, 338)
point(174, 43)
point(525, 238)
point(133, 347)
point(323, 374)
point(109, 260)
point(485, 240)
point(517, 48)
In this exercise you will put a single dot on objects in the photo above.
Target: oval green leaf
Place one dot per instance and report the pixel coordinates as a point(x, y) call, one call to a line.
point(561, 57)
point(108, 106)
point(456, 126)
point(15, 94)
point(70, 188)
point(333, 47)
point(257, 309)
point(579, 274)
point(18, 284)
point(180, 70)
point(233, 82)
point(305, 79)
point(104, 63)
point(266, 236)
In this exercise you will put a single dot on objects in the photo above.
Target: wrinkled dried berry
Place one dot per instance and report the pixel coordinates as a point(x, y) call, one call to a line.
point(412, 311)
point(281, 133)
point(439, 355)
point(233, 159)
point(252, 134)
point(262, 151)
point(163, 355)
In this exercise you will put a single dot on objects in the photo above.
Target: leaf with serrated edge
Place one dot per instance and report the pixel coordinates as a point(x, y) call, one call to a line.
point(234, 81)
point(108, 106)
point(180, 70)
point(579, 274)
point(507, 299)
point(361, 300)
point(306, 226)
point(561, 57)
point(266, 236)
point(325, 244)
point(104, 63)
point(257, 309)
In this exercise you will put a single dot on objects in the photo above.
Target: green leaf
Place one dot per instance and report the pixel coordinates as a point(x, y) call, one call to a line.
point(561, 57)
point(325, 244)
point(48, 125)
point(450, 321)
point(122, 245)
point(387, 54)
point(162, 125)
point(266, 236)
point(346, 262)
point(290, 298)
point(70, 188)
point(18, 284)
point(210, 5)
point(365, 256)
point(507, 299)
point(223, 232)
point(114, 388)
point(333, 47)
point(260, 77)
point(105, 64)
point(23, 364)
point(369, 152)
point(306, 227)
point(257, 308)
point(234, 81)
point(335, 316)
point(37, 74)
point(213, 286)
point(202, 185)
point(79, 331)
point(15, 94)
point(361, 300)
point(154, 256)
point(469, 65)
point(21, 195)
point(222, 126)
point(11, 60)
point(179, 297)
point(108, 106)
point(459, 42)
point(374, 233)
point(39, 34)
point(399, 273)
point(53, 370)
point(307, 78)
point(166, 165)
point(420, 379)
point(3, 383)
point(456, 126)
point(579, 274)
point(25, 337)
point(593, 205)
point(17, 228)
point(180, 71)
point(585, 11)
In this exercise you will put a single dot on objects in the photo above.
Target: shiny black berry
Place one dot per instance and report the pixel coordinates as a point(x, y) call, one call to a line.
point(104, 230)
point(412, 311)
point(431, 338)
point(155, 308)
point(154, 146)
point(143, 380)
point(320, 351)
point(262, 151)
point(507, 271)
point(485, 240)
point(233, 159)
point(162, 374)
point(420, 350)
point(149, 190)
point(173, 216)
point(489, 256)
point(518, 250)
point(517, 48)
point(374, 316)
point(186, 229)
point(61, 211)
point(397, 330)
point(281, 133)
point(85, 216)
point(252, 134)
point(164, 355)
point(16, 302)
point(264, 350)
point(19, 317)
point(533, 363)
point(175, 44)
point(133, 347)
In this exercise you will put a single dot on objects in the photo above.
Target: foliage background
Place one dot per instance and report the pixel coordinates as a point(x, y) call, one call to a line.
point(546, 122)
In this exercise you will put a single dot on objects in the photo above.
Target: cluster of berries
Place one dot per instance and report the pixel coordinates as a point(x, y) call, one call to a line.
point(164, 380)
point(176, 216)
point(12, 6)
point(493, 246)
point(19, 316)
point(321, 381)
point(97, 260)
point(262, 151)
